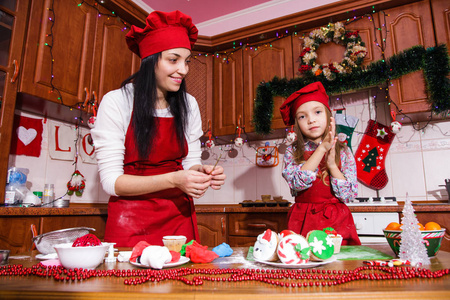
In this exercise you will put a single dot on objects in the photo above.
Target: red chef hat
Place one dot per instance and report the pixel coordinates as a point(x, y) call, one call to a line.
point(312, 92)
point(163, 31)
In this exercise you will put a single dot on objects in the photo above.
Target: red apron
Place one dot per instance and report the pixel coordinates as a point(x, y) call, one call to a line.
point(317, 208)
point(151, 216)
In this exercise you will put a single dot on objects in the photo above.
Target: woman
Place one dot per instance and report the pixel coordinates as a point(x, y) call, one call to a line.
point(320, 170)
point(147, 143)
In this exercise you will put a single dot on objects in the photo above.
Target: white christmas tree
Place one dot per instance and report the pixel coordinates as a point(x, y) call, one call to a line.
point(412, 247)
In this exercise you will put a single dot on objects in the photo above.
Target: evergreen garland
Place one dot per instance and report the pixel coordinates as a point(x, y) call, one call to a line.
point(434, 62)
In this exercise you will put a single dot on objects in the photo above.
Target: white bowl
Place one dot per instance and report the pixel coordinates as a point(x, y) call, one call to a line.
point(81, 257)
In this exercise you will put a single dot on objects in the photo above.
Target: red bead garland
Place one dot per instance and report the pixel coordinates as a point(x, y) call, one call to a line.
point(314, 277)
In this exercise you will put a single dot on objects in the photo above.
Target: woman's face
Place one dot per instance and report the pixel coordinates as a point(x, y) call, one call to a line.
point(312, 120)
point(171, 69)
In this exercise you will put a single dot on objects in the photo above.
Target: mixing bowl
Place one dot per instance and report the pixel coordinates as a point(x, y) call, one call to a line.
point(432, 240)
point(81, 257)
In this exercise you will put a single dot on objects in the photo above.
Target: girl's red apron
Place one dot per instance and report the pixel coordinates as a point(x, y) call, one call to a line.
point(150, 217)
point(317, 208)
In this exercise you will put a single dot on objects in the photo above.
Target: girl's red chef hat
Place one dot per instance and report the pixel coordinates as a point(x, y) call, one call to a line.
point(163, 31)
point(312, 92)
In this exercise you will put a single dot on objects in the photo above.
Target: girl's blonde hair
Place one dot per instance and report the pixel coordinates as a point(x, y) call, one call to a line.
point(299, 147)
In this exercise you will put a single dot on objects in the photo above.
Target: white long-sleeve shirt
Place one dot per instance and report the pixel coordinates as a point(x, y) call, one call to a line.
point(113, 119)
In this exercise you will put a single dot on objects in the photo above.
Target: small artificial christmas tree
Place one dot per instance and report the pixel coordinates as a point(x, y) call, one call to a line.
point(412, 248)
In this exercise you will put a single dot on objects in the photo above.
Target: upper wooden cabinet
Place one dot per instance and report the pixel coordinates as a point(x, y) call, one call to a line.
point(263, 64)
point(88, 50)
point(13, 20)
point(441, 16)
point(228, 93)
point(199, 83)
point(408, 26)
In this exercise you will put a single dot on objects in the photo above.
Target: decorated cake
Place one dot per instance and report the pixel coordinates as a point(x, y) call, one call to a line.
point(265, 247)
point(322, 246)
point(293, 249)
point(335, 237)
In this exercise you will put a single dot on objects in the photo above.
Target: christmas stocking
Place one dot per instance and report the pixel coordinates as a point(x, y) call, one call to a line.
point(371, 154)
point(345, 125)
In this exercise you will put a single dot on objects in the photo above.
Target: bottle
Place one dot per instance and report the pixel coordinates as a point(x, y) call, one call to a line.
point(49, 195)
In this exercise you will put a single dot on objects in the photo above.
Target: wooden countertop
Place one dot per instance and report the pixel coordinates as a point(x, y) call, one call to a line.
point(80, 209)
point(33, 287)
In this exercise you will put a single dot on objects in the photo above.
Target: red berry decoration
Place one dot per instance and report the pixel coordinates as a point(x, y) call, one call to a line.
point(86, 241)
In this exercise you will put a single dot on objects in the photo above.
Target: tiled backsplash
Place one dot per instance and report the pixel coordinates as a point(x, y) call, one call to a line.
point(417, 162)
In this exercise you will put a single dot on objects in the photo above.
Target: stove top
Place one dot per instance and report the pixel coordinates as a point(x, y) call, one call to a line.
point(372, 201)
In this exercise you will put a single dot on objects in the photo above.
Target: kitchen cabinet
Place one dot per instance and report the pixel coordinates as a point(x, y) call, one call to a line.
point(243, 228)
point(212, 228)
point(409, 25)
point(228, 93)
point(442, 219)
point(13, 21)
point(88, 50)
point(263, 64)
point(441, 17)
point(16, 230)
point(16, 233)
point(199, 83)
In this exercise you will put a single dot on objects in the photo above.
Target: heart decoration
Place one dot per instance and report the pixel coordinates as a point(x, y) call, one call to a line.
point(26, 136)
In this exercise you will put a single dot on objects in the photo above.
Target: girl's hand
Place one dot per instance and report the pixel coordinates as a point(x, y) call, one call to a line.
point(331, 156)
point(218, 177)
point(329, 140)
point(194, 183)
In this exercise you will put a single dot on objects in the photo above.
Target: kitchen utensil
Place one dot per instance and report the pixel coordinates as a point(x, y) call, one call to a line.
point(88, 257)
point(45, 242)
point(432, 240)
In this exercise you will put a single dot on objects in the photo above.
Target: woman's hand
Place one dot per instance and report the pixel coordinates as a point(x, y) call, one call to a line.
point(218, 177)
point(192, 182)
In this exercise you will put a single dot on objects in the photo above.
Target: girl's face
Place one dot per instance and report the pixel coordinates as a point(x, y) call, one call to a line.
point(171, 69)
point(312, 120)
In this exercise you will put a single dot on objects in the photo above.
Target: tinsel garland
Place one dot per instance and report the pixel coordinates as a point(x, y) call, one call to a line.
point(434, 62)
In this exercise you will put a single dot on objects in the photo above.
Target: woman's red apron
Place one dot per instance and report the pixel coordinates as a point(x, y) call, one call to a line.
point(317, 208)
point(150, 217)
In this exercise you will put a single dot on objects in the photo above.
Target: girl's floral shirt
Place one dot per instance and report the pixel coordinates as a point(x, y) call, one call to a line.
point(299, 180)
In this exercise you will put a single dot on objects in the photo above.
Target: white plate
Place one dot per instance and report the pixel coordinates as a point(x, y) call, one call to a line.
point(182, 261)
point(46, 256)
point(311, 264)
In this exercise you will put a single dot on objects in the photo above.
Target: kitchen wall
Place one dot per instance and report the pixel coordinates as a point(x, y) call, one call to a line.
point(417, 162)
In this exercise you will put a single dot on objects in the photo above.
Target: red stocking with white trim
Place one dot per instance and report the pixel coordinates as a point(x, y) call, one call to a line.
point(371, 155)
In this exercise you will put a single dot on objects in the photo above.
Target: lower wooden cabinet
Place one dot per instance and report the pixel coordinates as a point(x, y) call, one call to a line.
point(243, 228)
point(212, 228)
point(15, 233)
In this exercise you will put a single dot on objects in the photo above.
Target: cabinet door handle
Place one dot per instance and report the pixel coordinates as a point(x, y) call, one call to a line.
point(16, 71)
point(257, 225)
point(222, 220)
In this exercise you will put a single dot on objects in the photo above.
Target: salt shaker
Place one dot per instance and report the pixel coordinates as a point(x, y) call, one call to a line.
point(49, 195)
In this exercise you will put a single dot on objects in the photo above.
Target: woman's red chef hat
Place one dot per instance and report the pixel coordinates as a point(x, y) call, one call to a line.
point(312, 92)
point(163, 31)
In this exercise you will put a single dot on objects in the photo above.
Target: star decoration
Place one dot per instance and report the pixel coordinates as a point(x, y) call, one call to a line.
point(317, 246)
point(381, 133)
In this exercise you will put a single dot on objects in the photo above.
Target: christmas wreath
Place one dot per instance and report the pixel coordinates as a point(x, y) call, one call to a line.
point(353, 57)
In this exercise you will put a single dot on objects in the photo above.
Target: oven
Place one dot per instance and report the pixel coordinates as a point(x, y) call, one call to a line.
point(370, 225)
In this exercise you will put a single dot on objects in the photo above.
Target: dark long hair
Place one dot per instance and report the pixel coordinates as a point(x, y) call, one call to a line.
point(144, 106)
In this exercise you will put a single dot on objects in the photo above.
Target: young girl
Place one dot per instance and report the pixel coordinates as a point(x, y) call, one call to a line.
point(147, 139)
point(320, 170)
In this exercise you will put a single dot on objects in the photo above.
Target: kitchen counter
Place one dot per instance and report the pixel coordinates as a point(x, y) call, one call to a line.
point(80, 209)
point(34, 287)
